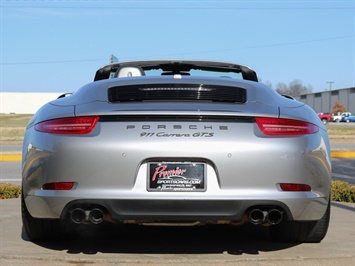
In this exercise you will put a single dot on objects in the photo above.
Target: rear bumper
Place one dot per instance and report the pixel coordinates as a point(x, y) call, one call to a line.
point(302, 207)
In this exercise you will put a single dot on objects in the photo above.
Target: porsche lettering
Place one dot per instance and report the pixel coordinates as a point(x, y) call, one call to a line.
point(204, 127)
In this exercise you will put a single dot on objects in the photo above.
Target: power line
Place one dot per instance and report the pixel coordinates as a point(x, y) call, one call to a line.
point(185, 53)
point(189, 4)
point(52, 62)
point(182, 8)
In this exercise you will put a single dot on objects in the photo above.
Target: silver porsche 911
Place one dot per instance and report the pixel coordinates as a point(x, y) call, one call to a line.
point(176, 142)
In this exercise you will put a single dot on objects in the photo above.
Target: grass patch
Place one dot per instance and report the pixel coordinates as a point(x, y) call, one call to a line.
point(13, 120)
point(12, 128)
point(9, 191)
point(342, 191)
point(344, 131)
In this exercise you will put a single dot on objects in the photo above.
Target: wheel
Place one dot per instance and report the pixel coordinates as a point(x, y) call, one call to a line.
point(325, 121)
point(41, 229)
point(308, 232)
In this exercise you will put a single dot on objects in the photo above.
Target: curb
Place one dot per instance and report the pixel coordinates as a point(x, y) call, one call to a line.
point(17, 157)
point(343, 154)
point(10, 157)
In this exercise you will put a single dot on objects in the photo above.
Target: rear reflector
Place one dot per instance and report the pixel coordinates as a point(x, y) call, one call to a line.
point(294, 187)
point(58, 186)
point(68, 125)
point(285, 127)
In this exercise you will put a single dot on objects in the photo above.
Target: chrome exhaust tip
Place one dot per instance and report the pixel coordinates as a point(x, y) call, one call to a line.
point(96, 216)
point(257, 216)
point(78, 215)
point(274, 216)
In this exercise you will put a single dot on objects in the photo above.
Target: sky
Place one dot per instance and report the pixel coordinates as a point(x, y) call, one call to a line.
point(57, 46)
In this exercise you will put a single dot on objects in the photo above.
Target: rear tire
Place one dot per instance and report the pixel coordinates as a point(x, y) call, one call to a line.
point(307, 232)
point(40, 229)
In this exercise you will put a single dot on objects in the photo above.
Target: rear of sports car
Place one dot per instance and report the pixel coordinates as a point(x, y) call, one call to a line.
point(177, 151)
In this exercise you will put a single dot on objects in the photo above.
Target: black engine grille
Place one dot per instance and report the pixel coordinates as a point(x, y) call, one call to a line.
point(176, 92)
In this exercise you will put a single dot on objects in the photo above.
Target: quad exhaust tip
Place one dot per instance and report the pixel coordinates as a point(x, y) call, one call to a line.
point(81, 216)
point(258, 216)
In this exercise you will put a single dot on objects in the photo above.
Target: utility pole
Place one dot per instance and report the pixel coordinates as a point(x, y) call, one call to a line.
point(330, 85)
point(330, 95)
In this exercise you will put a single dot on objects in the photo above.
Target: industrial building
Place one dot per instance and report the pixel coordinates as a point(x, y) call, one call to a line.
point(323, 102)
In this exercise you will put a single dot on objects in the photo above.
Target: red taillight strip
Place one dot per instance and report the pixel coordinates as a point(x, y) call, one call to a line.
point(58, 186)
point(285, 127)
point(68, 125)
point(294, 187)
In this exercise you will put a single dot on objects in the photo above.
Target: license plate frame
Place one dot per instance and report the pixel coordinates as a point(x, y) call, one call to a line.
point(176, 177)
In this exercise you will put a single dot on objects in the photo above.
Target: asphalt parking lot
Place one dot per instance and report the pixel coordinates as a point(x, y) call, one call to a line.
point(213, 245)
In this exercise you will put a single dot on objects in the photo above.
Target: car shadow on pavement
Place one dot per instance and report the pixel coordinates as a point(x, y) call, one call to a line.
point(343, 206)
point(209, 239)
point(343, 169)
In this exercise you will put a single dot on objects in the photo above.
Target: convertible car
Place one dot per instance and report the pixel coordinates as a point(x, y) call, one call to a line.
point(176, 142)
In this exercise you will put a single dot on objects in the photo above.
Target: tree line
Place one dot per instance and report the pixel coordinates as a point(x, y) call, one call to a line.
point(296, 88)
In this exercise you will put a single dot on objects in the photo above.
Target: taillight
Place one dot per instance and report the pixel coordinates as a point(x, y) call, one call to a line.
point(58, 186)
point(285, 127)
point(294, 187)
point(68, 125)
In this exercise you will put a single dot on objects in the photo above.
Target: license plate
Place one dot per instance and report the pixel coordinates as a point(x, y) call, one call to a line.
point(176, 176)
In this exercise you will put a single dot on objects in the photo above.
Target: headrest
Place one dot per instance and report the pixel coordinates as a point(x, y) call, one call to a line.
point(129, 72)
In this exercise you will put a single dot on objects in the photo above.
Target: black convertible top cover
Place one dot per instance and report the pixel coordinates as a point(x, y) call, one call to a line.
point(177, 66)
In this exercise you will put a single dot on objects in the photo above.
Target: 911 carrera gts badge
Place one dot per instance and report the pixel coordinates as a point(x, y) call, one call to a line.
point(176, 177)
point(176, 135)
point(178, 131)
